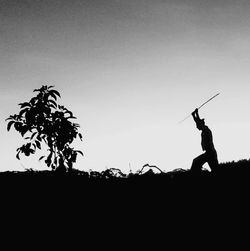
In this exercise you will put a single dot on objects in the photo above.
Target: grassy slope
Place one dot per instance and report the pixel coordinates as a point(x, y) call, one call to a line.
point(171, 205)
point(231, 177)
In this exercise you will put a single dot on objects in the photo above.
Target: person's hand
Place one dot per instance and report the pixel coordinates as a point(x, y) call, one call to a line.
point(195, 112)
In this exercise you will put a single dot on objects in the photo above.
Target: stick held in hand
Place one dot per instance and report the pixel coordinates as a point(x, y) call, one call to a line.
point(200, 106)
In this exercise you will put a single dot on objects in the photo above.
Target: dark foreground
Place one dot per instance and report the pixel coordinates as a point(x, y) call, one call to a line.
point(169, 206)
point(231, 182)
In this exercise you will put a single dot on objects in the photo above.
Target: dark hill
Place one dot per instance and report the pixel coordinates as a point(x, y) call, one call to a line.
point(203, 206)
point(232, 178)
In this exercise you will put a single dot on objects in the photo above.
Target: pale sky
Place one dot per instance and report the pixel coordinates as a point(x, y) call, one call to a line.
point(130, 70)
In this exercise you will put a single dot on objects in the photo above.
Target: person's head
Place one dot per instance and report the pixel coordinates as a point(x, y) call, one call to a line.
point(200, 124)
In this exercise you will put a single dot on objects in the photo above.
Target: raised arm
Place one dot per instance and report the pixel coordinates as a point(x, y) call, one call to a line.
point(195, 115)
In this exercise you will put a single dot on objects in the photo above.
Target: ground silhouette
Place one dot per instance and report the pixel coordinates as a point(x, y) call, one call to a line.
point(230, 177)
point(171, 206)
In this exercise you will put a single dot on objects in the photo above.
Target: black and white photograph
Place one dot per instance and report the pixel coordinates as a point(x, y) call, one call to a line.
point(140, 99)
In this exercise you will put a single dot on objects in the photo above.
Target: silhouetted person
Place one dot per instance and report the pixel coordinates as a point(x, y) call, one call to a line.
point(210, 154)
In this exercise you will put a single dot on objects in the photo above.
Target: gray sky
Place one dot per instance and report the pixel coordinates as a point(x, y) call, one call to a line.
point(130, 70)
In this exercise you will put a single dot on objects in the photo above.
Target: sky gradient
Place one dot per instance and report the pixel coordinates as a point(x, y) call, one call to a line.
point(130, 71)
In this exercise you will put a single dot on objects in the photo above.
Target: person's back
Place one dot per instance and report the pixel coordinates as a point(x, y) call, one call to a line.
point(207, 139)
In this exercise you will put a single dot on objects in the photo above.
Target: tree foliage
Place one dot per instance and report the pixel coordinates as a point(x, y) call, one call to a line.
point(42, 120)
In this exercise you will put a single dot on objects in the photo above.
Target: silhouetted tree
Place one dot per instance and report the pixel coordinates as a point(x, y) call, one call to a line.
point(43, 120)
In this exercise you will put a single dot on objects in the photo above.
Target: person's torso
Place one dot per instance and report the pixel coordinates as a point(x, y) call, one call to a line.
point(207, 139)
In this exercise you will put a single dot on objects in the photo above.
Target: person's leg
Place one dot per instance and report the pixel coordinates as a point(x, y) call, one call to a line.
point(198, 162)
point(213, 161)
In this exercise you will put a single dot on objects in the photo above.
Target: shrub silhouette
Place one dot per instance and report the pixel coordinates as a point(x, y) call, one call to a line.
point(43, 120)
